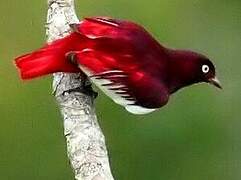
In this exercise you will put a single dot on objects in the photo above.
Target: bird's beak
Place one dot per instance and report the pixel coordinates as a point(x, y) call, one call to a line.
point(214, 81)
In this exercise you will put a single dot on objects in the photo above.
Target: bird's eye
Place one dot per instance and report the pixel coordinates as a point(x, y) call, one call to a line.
point(205, 68)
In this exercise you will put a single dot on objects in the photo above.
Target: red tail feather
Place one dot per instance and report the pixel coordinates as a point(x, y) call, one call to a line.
point(47, 60)
point(33, 66)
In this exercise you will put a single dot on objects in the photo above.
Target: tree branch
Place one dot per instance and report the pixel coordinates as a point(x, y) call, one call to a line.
point(85, 141)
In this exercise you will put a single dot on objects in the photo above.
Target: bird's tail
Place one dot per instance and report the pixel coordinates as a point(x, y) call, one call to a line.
point(49, 59)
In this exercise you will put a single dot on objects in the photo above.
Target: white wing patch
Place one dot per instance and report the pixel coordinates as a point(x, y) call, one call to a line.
point(138, 109)
point(116, 91)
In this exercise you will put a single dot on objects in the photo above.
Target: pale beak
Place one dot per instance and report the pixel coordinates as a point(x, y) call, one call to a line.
point(214, 81)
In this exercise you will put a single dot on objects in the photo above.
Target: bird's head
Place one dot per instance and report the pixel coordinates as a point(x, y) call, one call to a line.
point(189, 67)
point(206, 72)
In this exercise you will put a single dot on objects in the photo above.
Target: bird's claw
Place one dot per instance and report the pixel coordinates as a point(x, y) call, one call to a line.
point(87, 90)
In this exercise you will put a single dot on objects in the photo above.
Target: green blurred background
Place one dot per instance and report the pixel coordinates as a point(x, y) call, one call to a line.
point(197, 136)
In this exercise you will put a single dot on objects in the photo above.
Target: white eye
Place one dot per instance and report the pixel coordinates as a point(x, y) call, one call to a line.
point(205, 68)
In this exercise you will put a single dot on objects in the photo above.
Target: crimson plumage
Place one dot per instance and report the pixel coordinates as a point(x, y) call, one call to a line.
point(123, 60)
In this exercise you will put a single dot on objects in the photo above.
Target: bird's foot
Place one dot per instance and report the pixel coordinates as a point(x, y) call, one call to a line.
point(87, 90)
point(86, 87)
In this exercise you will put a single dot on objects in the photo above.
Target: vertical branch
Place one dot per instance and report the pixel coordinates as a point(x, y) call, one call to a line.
point(85, 141)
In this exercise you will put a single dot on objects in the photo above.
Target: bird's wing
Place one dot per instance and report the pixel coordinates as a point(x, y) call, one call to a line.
point(113, 80)
point(98, 27)
point(123, 36)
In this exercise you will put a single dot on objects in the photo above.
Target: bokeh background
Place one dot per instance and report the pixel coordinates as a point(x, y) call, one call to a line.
point(197, 136)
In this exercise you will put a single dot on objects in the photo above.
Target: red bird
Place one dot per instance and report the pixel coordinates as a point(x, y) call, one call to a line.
point(123, 60)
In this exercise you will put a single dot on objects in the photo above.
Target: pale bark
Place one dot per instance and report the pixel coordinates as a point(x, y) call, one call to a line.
point(86, 147)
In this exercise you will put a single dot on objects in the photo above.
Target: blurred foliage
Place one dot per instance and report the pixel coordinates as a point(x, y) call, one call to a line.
point(195, 137)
